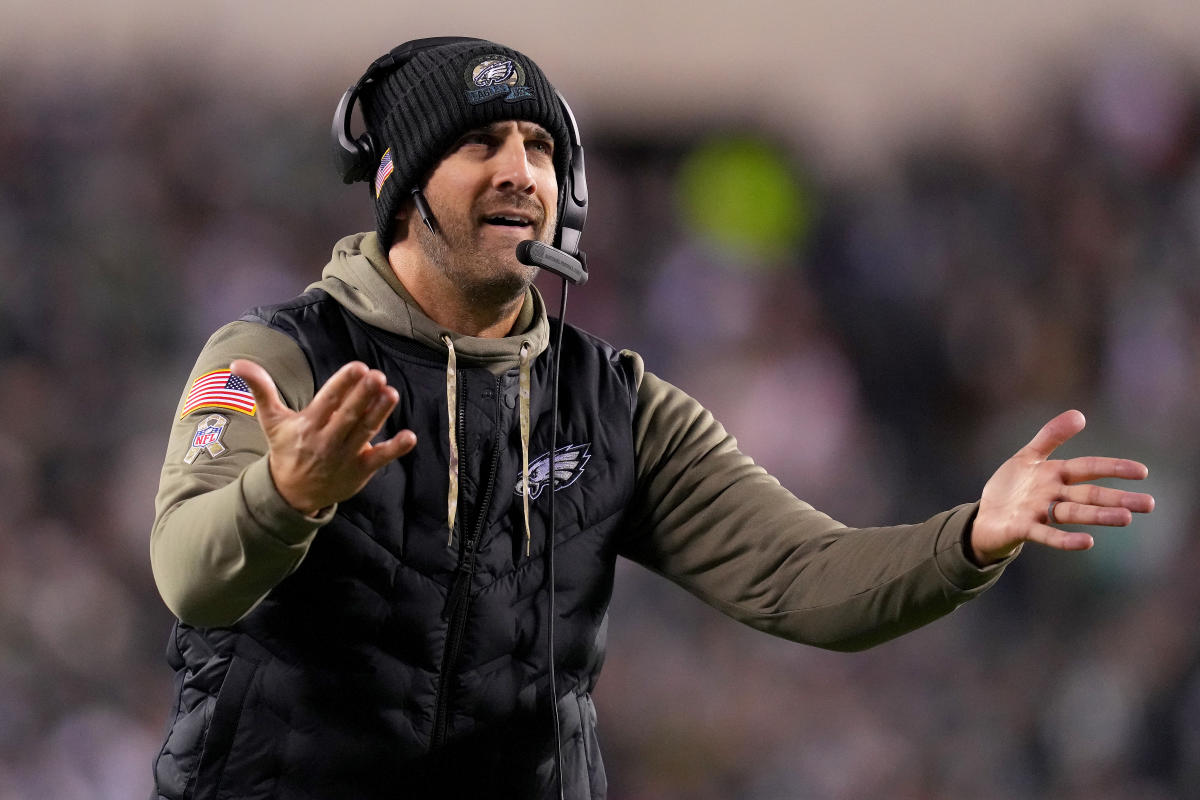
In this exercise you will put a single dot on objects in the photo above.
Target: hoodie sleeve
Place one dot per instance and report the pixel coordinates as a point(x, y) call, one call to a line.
point(710, 519)
point(223, 536)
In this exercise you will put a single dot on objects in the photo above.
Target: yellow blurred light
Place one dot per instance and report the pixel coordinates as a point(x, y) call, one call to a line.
point(741, 195)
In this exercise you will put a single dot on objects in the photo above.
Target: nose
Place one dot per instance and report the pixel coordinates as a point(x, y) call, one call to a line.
point(513, 172)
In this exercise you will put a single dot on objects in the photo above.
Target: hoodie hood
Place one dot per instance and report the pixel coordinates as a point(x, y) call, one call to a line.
point(360, 278)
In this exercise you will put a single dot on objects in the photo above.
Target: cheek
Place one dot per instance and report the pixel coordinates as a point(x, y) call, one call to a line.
point(548, 190)
point(453, 181)
point(448, 192)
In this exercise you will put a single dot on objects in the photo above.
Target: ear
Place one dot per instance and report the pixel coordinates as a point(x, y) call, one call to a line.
point(404, 216)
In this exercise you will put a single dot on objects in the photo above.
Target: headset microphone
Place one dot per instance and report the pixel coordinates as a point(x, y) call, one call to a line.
point(543, 256)
point(423, 209)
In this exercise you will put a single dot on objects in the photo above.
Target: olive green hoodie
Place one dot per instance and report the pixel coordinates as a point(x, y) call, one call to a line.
point(704, 514)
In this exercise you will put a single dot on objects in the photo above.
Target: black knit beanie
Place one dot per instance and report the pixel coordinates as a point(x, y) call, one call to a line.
point(415, 113)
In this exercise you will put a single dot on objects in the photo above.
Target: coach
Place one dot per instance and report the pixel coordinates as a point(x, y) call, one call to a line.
point(391, 506)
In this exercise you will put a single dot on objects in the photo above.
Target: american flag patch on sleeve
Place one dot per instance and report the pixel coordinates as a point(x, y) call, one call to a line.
point(220, 389)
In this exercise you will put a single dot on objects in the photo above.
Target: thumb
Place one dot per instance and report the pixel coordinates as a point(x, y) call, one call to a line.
point(1055, 432)
point(262, 386)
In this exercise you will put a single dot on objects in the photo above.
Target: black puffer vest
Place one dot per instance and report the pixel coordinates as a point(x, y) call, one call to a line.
point(392, 664)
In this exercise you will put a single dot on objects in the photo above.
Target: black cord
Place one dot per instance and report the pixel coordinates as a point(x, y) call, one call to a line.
point(558, 759)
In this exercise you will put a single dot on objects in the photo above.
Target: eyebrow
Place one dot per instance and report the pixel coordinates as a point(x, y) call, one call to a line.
point(538, 131)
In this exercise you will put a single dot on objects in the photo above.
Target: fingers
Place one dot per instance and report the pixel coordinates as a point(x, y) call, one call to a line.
point(348, 410)
point(358, 403)
point(375, 408)
point(1080, 503)
point(1096, 505)
point(352, 404)
point(362, 411)
point(1101, 496)
point(333, 394)
point(399, 445)
point(1060, 539)
point(1054, 433)
point(1090, 468)
point(323, 454)
point(262, 386)
point(355, 403)
point(1016, 503)
point(1066, 513)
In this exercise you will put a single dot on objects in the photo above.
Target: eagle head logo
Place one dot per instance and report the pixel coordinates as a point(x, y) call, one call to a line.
point(494, 72)
point(569, 461)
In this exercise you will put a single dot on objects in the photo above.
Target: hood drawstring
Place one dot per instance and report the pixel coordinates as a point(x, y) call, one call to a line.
point(523, 395)
point(452, 417)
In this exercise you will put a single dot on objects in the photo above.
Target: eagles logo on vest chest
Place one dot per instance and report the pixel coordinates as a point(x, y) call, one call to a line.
point(569, 463)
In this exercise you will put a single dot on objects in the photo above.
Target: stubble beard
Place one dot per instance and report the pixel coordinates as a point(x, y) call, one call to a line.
point(486, 279)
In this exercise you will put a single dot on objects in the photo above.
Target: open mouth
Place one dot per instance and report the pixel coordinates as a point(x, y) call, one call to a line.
point(508, 221)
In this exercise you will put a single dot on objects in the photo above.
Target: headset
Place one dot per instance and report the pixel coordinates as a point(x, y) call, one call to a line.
point(356, 159)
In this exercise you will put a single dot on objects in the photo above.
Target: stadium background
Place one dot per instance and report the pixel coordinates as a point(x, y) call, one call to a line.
point(882, 244)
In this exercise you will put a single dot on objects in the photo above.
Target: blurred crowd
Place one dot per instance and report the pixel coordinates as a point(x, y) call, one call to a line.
point(915, 328)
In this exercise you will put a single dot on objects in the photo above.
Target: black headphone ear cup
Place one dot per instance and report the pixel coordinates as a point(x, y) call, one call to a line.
point(572, 214)
point(368, 155)
point(353, 157)
point(356, 164)
point(573, 196)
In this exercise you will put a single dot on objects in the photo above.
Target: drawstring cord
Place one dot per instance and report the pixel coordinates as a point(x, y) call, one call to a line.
point(452, 417)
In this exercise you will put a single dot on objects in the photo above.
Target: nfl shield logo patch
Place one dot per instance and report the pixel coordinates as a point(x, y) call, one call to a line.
point(207, 438)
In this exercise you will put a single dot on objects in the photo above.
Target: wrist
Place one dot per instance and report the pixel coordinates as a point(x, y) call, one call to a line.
point(984, 558)
point(299, 501)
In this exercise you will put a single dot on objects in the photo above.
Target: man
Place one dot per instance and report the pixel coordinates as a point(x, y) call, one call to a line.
point(361, 532)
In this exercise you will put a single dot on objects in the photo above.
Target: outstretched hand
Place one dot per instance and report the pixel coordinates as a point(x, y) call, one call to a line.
point(1030, 494)
point(323, 454)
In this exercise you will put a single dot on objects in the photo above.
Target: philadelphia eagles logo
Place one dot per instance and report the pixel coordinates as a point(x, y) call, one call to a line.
point(569, 462)
point(496, 76)
point(490, 73)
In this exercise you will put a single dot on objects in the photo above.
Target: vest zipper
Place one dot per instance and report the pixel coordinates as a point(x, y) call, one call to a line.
point(460, 594)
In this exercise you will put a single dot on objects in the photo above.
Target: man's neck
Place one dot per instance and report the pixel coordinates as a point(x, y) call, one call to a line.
point(445, 303)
